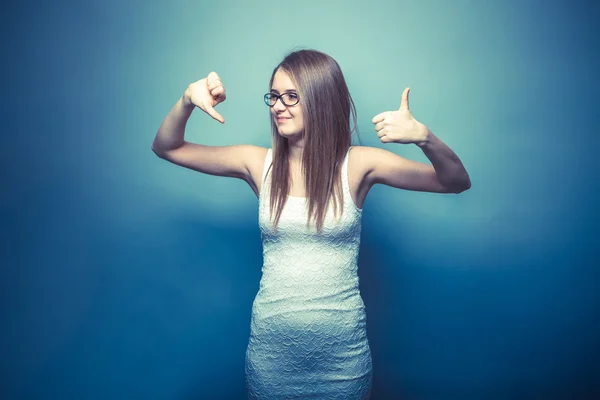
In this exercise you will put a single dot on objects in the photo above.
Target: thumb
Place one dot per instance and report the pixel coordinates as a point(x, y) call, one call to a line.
point(211, 77)
point(211, 111)
point(404, 101)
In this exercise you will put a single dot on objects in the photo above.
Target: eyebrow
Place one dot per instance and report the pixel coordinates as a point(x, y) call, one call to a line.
point(285, 91)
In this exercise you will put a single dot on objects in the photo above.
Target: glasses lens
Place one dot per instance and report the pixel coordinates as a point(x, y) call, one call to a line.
point(270, 99)
point(290, 99)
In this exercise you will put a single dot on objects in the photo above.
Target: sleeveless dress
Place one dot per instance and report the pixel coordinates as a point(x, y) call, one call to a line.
point(308, 336)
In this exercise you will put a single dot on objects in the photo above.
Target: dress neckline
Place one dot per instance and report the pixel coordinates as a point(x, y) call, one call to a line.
point(298, 198)
point(304, 199)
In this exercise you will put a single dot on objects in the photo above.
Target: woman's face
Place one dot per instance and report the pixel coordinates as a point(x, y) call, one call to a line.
point(288, 119)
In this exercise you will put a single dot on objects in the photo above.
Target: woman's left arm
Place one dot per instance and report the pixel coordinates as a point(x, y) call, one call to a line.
point(446, 174)
point(450, 171)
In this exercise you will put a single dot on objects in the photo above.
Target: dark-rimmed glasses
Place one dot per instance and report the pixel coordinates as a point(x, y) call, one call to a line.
point(288, 99)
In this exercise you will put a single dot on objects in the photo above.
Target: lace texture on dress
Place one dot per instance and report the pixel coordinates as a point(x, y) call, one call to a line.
point(308, 336)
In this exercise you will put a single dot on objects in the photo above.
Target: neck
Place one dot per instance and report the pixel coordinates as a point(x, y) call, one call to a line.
point(295, 153)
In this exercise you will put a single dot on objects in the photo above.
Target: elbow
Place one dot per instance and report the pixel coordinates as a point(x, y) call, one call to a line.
point(463, 186)
point(156, 151)
point(162, 151)
point(459, 186)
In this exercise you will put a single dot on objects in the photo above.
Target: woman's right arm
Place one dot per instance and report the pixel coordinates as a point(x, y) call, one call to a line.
point(169, 144)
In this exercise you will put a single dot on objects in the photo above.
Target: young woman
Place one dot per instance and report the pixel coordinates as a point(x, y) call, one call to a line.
point(308, 328)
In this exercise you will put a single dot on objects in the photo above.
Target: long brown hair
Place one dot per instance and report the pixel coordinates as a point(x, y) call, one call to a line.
point(327, 108)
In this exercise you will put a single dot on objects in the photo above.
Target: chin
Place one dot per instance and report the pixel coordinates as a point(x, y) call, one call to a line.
point(289, 134)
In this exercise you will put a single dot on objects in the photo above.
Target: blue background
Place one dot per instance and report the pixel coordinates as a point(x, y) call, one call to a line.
point(124, 276)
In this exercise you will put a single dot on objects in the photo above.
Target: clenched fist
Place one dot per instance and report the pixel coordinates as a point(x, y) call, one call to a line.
point(206, 94)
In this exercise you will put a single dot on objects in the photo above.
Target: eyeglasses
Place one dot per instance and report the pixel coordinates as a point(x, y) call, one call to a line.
point(288, 99)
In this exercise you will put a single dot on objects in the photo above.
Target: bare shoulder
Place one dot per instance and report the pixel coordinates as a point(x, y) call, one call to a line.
point(358, 153)
point(255, 161)
point(358, 172)
point(360, 164)
point(255, 156)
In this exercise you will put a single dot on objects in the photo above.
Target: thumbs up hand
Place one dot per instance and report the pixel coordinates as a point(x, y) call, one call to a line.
point(400, 126)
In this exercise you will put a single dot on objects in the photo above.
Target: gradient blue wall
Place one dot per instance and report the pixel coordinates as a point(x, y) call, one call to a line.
point(124, 276)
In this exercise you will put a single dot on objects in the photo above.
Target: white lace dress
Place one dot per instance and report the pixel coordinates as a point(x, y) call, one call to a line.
point(308, 336)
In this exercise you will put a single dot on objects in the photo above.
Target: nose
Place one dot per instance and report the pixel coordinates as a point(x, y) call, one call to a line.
point(279, 106)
